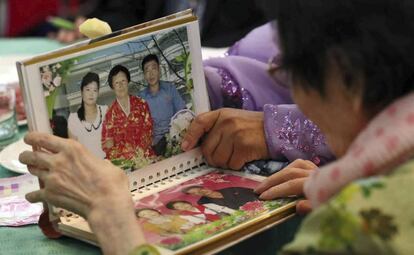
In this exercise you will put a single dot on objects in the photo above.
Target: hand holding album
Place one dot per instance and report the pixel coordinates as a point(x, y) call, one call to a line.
point(66, 162)
point(232, 137)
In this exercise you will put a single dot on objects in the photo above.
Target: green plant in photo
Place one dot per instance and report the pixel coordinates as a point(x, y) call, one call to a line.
point(53, 81)
point(125, 164)
point(185, 60)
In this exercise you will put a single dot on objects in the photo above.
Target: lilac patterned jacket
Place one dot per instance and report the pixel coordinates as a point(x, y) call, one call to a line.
point(240, 80)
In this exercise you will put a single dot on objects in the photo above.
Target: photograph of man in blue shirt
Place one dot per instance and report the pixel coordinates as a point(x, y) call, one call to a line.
point(163, 99)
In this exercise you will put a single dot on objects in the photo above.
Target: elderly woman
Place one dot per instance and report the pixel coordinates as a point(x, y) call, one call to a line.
point(351, 64)
point(127, 127)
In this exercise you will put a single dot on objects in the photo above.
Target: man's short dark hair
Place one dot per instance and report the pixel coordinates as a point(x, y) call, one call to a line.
point(170, 205)
point(115, 70)
point(148, 58)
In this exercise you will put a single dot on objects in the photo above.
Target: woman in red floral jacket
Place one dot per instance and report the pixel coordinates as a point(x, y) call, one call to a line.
point(127, 128)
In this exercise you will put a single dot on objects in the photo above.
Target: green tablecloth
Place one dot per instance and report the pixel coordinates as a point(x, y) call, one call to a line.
point(27, 46)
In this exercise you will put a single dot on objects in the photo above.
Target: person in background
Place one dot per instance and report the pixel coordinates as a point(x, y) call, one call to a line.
point(163, 99)
point(222, 22)
point(85, 125)
point(18, 18)
point(31, 18)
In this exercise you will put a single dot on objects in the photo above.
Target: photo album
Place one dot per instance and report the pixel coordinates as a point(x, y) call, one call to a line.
point(129, 97)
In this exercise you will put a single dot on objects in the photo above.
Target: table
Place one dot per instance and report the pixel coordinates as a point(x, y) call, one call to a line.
point(30, 240)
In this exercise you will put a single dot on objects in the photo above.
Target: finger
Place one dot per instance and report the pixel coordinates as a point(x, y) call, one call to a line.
point(211, 142)
point(37, 159)
point(35, 196)
point(199, 126)
point(282, 176)
point(60, 201)
point(237, 159)
point(40, 173)
point(300, 163)
point(289, 188)
point(47, 141)
point(303, 207)
point(222, 153)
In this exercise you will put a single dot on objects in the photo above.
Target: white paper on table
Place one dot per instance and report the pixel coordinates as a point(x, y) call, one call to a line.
point(15, 210)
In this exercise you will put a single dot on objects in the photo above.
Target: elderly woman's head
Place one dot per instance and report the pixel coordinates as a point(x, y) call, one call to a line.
point(118, 79)
point(348, 60)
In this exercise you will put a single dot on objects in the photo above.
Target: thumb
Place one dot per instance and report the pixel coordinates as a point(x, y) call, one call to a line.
point(198, 127)
point(303, 207)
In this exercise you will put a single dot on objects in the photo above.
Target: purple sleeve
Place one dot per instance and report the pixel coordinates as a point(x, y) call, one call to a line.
point(260, 44)
point(290, 135)
point(241, 80)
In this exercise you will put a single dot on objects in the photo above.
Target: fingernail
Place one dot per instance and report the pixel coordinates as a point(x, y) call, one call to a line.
point(264, 195)
point(28, 197)
point(259, 187)
point(184, 145)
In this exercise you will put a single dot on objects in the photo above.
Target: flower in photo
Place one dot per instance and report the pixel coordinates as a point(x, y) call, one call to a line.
point(180, 122)
point(57, 80)
point(178, 126)
point(141, 158)
point(45, 68)
point(215, 178)
point(171, 240)
point(47, 79)
point(253, 207)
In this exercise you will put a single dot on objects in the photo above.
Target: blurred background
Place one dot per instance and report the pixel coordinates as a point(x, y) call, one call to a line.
point(222, 22)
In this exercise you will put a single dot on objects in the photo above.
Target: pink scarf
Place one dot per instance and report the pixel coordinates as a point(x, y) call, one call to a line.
point(384, 144)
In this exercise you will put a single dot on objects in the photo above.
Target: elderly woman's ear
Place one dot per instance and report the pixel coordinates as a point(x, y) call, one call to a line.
point(353, 79)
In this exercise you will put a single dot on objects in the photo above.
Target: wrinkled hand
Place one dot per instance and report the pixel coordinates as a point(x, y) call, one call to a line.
point(232, 137)
point(288, 182)
point(76, 180)
point(73, 177)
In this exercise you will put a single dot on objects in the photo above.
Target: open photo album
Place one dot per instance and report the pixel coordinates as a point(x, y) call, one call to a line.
point(129, 97)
